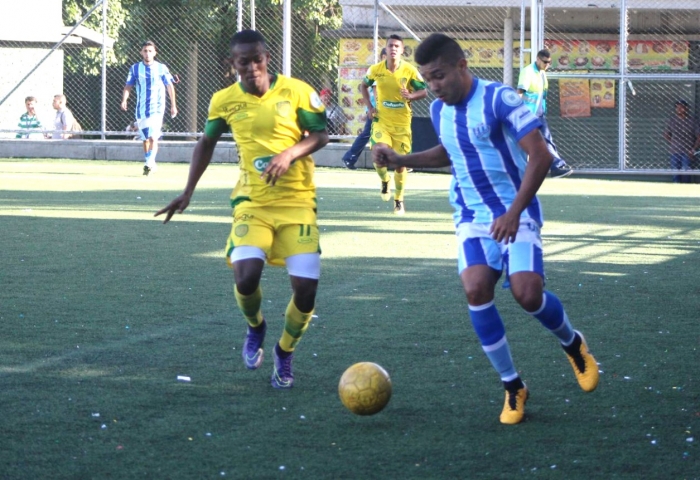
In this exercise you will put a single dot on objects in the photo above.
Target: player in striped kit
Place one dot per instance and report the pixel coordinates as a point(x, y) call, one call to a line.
point(486, 134)
point(152, 80)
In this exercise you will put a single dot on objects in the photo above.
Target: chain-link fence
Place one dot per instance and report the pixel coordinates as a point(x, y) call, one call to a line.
point(611, 109)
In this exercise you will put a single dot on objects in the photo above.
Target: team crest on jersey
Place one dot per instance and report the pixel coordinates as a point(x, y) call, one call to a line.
point(260, 163)
point(481, 131)
point(511, 98)
point(283, 108)
point(241, 230)
point(315, 100)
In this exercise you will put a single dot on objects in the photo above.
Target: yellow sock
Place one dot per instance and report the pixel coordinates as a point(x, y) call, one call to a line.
point(249, 305)
point(383, 173)
point(295, 324)
point(399, 182)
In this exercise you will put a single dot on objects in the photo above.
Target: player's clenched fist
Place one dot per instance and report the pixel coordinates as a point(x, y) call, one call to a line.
point(383, 155)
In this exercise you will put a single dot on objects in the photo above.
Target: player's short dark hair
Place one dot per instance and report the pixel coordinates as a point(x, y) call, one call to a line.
point(438, 45)
point(682, 102)
point(248, 36)
point(544, 53)
point(394, 37)
point(30, 99)
point(149, 43)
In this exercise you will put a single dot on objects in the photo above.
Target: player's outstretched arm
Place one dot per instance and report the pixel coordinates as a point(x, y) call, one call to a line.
point(435, 157)
point(201, 157)
point(280, 163)
point(505, 227)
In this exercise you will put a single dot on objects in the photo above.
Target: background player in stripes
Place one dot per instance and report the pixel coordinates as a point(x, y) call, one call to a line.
point(152, 79)
point(486, 134)
point(274, 201)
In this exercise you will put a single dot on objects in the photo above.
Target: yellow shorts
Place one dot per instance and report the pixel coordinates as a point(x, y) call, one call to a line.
point(280, 232)
point(398, 138)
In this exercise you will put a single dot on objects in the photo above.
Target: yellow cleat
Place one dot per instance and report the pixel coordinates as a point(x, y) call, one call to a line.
point(398, 207)
point(584, 364)
point(385, 191)
point(514, 407)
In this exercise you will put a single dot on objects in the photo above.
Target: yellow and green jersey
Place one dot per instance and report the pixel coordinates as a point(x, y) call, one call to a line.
point(392, 108)
point(263, 127)
point(534, 84)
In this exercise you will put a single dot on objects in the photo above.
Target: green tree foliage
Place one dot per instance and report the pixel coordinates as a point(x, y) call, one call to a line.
point(178, 24)
point(88, 61)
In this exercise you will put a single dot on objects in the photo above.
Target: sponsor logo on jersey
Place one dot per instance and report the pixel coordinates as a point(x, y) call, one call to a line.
point(520, 117)
point(244, 217)
point(260, 163)
point(234, 107)
point(389, 104)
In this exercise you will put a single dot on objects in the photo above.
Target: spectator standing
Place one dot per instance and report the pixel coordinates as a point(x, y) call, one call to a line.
point(64, 120)
point(29, 120)
point(683, 136)
point(335, 116)
point(351, 156)
point(532, 87)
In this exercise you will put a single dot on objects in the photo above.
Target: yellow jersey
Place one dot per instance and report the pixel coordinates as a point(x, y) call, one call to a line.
point(264, 126)
point(392, 108)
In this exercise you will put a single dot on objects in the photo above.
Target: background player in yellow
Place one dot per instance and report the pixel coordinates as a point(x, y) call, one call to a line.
point(274, 201)
point(397, 83)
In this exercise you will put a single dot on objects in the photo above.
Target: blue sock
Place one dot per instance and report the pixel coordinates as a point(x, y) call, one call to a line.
point(492, 335)
point(147, 156)
point(552, 315)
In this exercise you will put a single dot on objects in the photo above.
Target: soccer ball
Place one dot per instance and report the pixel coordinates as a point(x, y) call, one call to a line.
point(365, 388)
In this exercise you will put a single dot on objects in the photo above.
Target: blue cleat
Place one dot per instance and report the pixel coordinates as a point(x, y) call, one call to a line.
point(349, 164)
point(282, 375)
point(560, 170)
point(252, 346)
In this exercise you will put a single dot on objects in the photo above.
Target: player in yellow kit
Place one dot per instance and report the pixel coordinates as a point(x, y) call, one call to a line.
point(274, 201)
point(397, 83)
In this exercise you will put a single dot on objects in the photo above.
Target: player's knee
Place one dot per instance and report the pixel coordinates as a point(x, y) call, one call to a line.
point(528, 295)
point(304, 293)
point(247, 273)
point(478, 293)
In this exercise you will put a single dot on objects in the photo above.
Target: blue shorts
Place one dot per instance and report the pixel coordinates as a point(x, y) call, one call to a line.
point(477, 247)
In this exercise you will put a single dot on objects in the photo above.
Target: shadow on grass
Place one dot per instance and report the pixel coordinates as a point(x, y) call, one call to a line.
point(101, 316)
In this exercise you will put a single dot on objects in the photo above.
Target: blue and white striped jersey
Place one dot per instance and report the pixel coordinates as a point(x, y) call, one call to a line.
point(150, 82)
point(481, 136)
